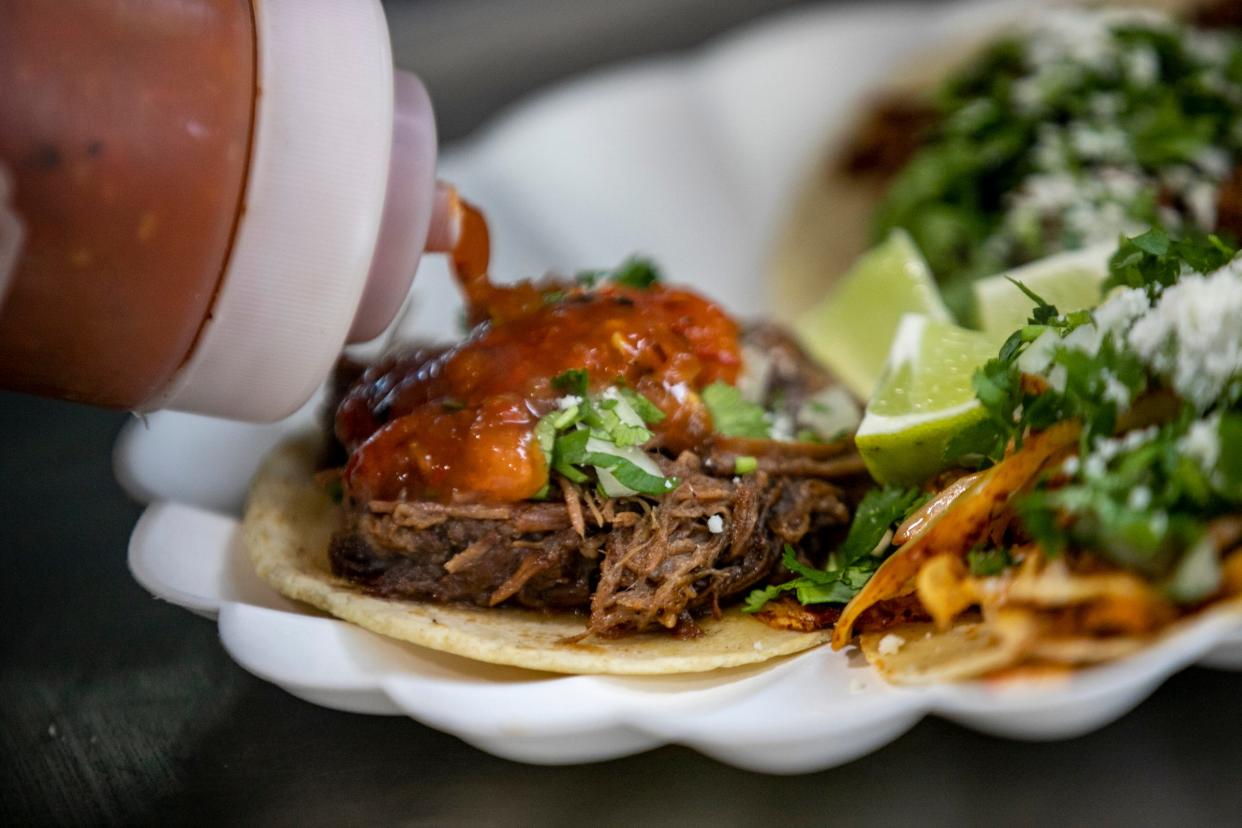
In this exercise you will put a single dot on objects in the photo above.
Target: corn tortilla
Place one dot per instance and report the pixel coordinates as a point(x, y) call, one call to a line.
point(286, 529)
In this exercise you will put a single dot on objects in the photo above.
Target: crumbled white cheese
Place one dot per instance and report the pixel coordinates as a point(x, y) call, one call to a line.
point(1201, 443)
point(1060, 204)
point(890, 644)
point(715, 524)
point(1085, 338)
point(1201, 198)
point(1139, 437)
point(568, 401)
point(1104, 144)
point(1058, 377)
point(1142, 65)
point(1191, 336)
point(1105, 106)
point(1107, 449)
point(1071, 465)
point(1114, 316)
point(1139, 499)
point(1214, 161)
point(1115, 391)
point(1038, 355)
point(1047, 192)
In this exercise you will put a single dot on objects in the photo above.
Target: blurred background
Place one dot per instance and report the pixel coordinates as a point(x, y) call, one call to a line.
point(115, 708)
point(478, 56)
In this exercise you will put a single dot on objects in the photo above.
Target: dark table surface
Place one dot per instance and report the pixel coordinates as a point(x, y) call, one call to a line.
point(117, 708)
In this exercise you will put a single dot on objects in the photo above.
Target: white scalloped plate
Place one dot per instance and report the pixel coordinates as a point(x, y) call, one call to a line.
point(689, 159)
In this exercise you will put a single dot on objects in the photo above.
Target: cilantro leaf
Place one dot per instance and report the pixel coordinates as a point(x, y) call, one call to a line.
point(814, 586)
point(631, 476)
point(570, 451)
point(978, 442)
point(853, 564)
point(733, 415)
point(642, 406)
point(875, 515)
point(1043, 312)
point(573, 381)
point(848, 583)
point(988, 562)
point(629, 435)
point(1229, 464)
point(759, 598)
point(589, 278)
point(636, 272)
point(1155, 259)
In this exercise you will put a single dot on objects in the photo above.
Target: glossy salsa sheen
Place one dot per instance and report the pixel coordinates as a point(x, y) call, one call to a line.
point(458, 424)
point(126, 128)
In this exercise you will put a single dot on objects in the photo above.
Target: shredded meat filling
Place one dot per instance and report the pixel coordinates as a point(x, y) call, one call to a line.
point(637, 564)
point(629, 564)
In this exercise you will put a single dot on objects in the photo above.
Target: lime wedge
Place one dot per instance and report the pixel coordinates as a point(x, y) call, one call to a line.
point(849, 331)
point(924, 397)
point(1071, 281)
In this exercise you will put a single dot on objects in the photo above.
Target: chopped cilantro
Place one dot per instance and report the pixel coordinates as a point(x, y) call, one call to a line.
point(1155, 259)
point(852, 565)
point(642, 406)
point(629, 474)
point(875, 515)
point(1037, 147)
point(1229, 462)
point(1089, 383)
point(614, 419)
point(589, 278)
point(636, 272)
point(732, 414)
point(1137, 497)
point(569, 451)
point(988, 562)
point(573, 381)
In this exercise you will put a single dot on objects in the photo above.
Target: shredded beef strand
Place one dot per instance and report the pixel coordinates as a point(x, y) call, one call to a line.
point(573, 506)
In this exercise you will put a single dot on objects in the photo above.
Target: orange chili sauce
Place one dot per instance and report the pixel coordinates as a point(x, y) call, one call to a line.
point(460, 422)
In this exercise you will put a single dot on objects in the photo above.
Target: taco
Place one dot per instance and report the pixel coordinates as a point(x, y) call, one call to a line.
point(1074, 123)
point(1107, 512)
point(1089, 502)
point(587, 482)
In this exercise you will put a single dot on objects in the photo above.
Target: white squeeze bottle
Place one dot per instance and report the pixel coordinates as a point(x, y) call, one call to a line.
point(202, 202)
